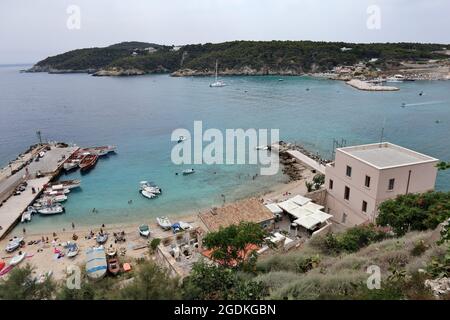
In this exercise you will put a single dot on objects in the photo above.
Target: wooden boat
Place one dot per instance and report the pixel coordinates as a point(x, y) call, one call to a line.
point(18, 258)
point(88, 162)
point(113, 266)
point(96, 265)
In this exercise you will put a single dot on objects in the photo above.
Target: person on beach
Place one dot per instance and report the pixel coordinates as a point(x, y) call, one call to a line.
point(24, 230)
point(73, 225)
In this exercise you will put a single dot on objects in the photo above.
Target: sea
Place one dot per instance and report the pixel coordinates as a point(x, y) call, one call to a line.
point(138, 115)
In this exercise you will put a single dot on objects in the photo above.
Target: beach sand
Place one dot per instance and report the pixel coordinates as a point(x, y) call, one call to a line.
point(43, 258)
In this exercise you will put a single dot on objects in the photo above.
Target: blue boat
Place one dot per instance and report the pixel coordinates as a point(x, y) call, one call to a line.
point(96, 265)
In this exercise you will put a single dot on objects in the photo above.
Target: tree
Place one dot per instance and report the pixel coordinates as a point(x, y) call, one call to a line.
point(154, 244)
point(415, 211)
point(443, 165)
point(21, 285)
point(232, 245)
point(216, 282)
point(309, 186)
point(151, 282)
point(318, 180)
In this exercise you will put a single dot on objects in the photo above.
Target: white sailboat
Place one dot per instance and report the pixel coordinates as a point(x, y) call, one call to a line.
point(217, 83)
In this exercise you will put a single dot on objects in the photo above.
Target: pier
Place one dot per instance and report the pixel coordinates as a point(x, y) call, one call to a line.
point(35, 173)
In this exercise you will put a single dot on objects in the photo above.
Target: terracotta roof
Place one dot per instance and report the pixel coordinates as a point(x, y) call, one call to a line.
point(250, 210)
point(250, 248)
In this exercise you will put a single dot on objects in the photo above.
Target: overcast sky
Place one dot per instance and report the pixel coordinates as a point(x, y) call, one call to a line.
point(31, 30)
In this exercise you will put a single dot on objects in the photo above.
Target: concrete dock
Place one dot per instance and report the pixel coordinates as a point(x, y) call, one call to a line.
point(48, 167)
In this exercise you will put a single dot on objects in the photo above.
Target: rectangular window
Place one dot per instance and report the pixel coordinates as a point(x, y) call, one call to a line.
point(331, 184)
point(391, 184)
point(349, 171)
point(364, 206)
point(367, 182)
point(347, 193)
point(344, 217)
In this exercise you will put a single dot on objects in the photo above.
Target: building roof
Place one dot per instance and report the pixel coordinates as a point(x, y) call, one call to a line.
point(386, 155)
point(250, 210)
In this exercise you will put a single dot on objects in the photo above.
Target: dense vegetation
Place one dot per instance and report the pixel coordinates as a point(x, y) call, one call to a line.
point(333, 266)
point(264, 56)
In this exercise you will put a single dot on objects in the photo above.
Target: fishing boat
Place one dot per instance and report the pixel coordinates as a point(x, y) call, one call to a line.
point(13, 244)
point(148, 194)
point(188, 171)
point(51, 210)
point(66, 184)
point(113, 266)
point(164, 223)
point(217, 83)
point(18, 258)
point(144, 230)
point(96, 265)
point(101, 238)
point(72, 250)
point(88, 162)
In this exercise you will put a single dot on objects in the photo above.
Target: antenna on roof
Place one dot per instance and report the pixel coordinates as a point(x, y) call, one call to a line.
point(382, 131)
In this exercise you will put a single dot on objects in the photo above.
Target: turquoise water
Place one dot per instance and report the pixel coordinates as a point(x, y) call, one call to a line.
point(138, 114)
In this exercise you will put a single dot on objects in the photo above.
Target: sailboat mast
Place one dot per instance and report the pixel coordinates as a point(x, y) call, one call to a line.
point(216, 69)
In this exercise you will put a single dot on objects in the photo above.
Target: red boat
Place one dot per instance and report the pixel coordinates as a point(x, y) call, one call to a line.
point(88, 162)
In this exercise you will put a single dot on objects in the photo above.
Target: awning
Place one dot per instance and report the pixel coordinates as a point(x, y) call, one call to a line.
point(288, 205)
point(313, 206)
point(300, 212)
point(274, 208)
point(307, 222)
point(321, 216)
point(300, 200)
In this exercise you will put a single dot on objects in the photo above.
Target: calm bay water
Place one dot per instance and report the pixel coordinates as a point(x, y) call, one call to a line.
point(138, 114)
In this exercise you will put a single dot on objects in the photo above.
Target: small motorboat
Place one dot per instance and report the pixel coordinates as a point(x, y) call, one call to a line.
point(49, 199)
point(144, 230)
point(164, 223)
point(18, 258)
point(150, 187)
point(96, 265)
point(181, 139)
point(176, 227)
point(71, 164)
point(66, 184)
point(101, 238)
point(188, 171)
point(72, 250)
point(50, 210)
point(148, 194)
point(113, 266)
point(13, 244)
point(55, 192)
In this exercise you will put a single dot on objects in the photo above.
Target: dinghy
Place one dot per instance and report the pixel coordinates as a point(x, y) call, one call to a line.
point(144, 230)
point(18, 258)
point(26, 217)
point(50, 210)
point(164, 223)
point(96, 265)
point(150, 187)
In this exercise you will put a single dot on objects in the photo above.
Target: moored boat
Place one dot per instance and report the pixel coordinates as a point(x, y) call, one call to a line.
point(144, 230)
point(26, 217)
point(51, 210)
point(96, 265)
point(150, 187)
point(148, 194)
point(66, 184)
point(88, 162)
point(13, 244)
point(188, 171)
point(164, 223)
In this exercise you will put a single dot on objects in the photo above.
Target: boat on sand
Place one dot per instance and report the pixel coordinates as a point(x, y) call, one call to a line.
point(96, 265)
point(164, 223)
point(18, 258)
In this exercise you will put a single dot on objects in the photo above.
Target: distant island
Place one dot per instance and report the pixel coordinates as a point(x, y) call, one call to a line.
point(337, 60)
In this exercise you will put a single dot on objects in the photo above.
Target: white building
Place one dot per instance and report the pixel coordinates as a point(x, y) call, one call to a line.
point(362, 177)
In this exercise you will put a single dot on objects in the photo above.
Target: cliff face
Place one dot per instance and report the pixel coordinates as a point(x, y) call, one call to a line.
point(243, 71)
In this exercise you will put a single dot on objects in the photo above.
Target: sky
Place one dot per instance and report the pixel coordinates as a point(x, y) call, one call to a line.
point(31, 30)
